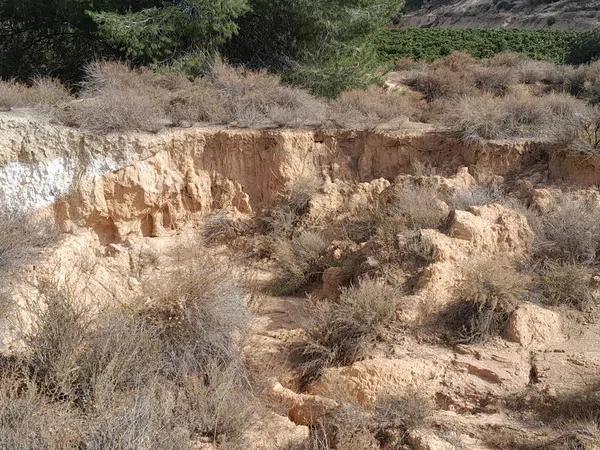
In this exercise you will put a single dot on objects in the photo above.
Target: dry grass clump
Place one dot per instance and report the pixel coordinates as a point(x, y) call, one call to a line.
point(568, 284)
point(570, 231)
point(41, 92)
point(343, 331)
point(575, 416)
point(299, 260)
point(519, 114)
point(387, 425)
point(222, 226)
point(440, 83)
point(580, 134)
point(479, 195)
point(29, 421)
point(494, 80)
point(418, 206)
point(399, 414)
point(231, 95)
point(153, 374)
point(299, 192)
point(22, 237)
point(486, 297)
point(364, 109)
point(115, 98)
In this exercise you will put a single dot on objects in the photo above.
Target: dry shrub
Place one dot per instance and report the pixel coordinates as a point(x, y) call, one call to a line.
point(440, 83)
point(479, 195)
point(457, 61)
point(507, 59)
point(41, 92)
point(396, 415)
point(479, 117)
point(494, 80)
point(485, 298)
point(342, 332)
point(364, 109)
point(299, 192)
point(299, 260)
point(387, 425)
point(517, 115)
point(222, 226)
point(570, 231)
point(28, 421)
point(153, 374)
point(532, 71)
point(248, 99)
point(201, 312)
point(566, 283)
point(576, 416)
point(580, 133)
point(418, 206)
point(115, 98)
point(22, 238)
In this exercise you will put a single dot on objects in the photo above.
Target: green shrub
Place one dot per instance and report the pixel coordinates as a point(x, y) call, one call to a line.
point(586, 49)
point(433, 43)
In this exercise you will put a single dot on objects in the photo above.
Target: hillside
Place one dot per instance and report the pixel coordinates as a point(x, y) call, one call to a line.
point(554, 14)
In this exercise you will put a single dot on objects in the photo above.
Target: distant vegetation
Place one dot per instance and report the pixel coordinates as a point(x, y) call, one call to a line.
point(434, 43)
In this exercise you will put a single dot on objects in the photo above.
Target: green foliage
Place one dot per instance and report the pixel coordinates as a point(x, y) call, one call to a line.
point(339, 68)
point(56, 38)
point(433, 43)
point(586, 49)
point(278, 33)
point(158, 33)
point(323, 45)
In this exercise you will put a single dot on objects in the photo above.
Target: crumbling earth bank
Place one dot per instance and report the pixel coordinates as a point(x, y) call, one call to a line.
point(119, 197)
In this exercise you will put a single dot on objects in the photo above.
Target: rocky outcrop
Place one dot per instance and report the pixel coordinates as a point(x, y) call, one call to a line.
point(142, 184)
point(562, 14)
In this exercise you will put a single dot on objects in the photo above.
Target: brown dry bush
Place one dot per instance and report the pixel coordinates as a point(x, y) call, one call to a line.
point(28, 421)
point(343, 331)
point(576, 416)
point(580, 132)
point(299, 259)
point(570, 231)
point(364, 109)
point(418, 206)
point(485, 298)
point(387, 425)
point(494, 80)
point(476, 196)
point(223, 227)
point(517, 115)
point(201, 312)
point(566, 283)
point(246, 98)
point(440, 83)
point(507, 59)
point(115, 98)
point(153, 374)
point(396, 415)
point(41, 92)
point(22, 238)
point(299, 192)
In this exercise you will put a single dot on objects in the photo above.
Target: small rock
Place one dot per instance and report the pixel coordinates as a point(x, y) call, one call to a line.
point(530, 324)
point(428, 440)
